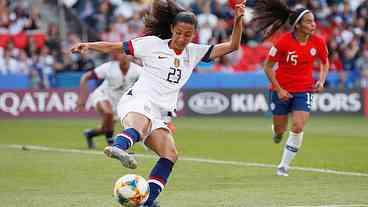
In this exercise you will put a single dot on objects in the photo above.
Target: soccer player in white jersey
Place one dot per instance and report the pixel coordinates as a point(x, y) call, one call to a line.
point(117, 76)
point(168, 58)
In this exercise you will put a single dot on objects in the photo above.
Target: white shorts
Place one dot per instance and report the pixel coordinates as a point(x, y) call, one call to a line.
point(129, 103)
point(101, 94)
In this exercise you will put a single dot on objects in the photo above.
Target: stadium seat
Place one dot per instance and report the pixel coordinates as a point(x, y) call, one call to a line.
point(20, 40)
point(39, 39)
point(4, 39)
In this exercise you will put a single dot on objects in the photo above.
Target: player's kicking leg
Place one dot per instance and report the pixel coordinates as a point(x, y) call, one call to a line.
point(135, 125)
point(125, 158)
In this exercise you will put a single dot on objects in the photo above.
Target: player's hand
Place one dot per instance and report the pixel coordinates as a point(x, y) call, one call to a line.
point(79, 48)
point(284, 95)
point(240, 9)
point(318, 87)
point(80, 105)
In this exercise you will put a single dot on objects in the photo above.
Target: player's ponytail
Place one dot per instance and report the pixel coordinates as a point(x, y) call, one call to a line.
point(271, 15)
point(163, 14)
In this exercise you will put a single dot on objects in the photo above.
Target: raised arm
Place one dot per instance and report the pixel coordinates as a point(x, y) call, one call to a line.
point(103, 47)
point(234, 42)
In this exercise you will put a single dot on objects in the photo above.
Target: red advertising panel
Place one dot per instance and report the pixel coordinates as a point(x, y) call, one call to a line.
point(41, 103)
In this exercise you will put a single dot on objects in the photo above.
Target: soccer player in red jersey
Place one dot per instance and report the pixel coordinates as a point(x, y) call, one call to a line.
point(292, 83)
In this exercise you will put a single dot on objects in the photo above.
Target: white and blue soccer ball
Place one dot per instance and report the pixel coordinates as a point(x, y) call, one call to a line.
point(131, 190)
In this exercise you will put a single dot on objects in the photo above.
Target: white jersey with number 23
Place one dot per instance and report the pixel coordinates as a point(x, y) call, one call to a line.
point(164, 72)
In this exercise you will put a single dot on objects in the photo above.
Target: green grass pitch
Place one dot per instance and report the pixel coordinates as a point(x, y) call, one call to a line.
point(37, 178)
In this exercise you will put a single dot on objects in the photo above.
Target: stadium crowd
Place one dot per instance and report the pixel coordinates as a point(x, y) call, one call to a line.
point(27, 48)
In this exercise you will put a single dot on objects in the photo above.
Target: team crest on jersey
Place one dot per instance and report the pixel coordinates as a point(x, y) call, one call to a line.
point(147, 108)
point(273, 51)
point(177, 62)
point(313, 51)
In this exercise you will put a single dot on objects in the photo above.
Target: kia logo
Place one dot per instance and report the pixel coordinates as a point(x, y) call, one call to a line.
point(208, 103)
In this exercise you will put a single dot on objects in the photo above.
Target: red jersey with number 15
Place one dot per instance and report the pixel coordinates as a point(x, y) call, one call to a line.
point(295, 61)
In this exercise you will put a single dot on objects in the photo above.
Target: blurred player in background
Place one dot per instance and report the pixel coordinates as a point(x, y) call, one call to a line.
point(117, 76)
point(292, 83)
point(169, 58)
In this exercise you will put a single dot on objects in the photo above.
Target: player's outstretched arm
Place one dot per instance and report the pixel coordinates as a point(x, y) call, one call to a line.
point(234, 43)
point(103, 47)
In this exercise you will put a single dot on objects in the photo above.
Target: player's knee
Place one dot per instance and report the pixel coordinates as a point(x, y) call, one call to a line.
point(298, 127)
point(279, 129)
point(107, 127)
point(171, 154)
point(109, 115)
point(142, 132)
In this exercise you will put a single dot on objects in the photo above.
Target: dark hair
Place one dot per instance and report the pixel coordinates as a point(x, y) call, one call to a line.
point(163, 14)
point(271, 15)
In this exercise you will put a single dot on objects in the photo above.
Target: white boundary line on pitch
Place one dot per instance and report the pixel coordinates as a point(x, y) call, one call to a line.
point(339, 205)
point(200, 160)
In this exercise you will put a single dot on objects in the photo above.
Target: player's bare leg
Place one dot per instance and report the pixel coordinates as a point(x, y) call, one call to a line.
point(104, 108)
point(162, 143)
point(107, 120)
point(136, 126)
point(172, 127)
point(279, 127)
point(294, 142)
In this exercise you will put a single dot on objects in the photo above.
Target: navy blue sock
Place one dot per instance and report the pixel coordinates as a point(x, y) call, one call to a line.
point(158, 178)
point(109, 138)
point(126, 139)
point(92, 133)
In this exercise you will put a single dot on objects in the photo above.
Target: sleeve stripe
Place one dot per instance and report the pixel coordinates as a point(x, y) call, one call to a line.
point(94, 75)
point(206, 57)
point(128, 48)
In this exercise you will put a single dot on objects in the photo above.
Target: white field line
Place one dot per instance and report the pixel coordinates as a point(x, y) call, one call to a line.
point(191, 159)
point(339, 205)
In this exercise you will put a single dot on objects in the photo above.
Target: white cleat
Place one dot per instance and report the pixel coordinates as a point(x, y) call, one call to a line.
point(126, 159)
point(282, 171)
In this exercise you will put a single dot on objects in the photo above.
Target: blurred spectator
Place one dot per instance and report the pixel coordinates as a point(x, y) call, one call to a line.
point(343, 24)
point(8, 64)
point(111, 34)
point(337, 66)
point(33, 21)
point(362, 64)
point(53, 39)
point(43, 64)
point(206, 23)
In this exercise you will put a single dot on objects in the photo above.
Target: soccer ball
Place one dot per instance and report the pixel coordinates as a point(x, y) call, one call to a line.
point(131, 190)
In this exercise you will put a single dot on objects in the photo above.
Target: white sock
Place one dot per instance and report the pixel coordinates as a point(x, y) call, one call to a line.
point(291, 148)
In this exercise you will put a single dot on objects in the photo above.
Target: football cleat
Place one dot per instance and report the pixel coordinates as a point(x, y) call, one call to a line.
point(155, 204)
point(125, 158)
point(282, 171)
point(90, 143)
